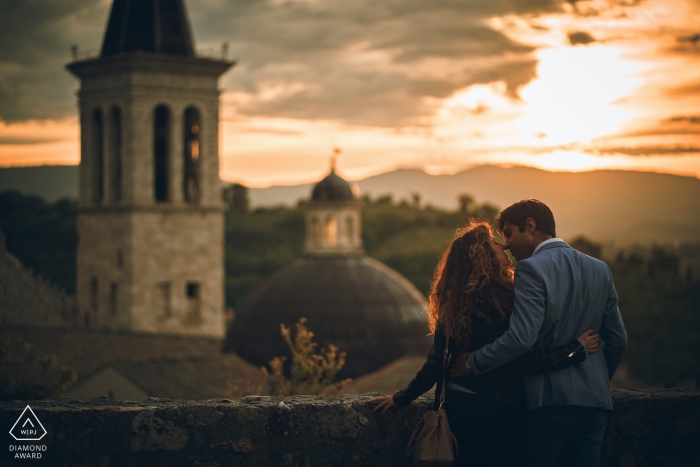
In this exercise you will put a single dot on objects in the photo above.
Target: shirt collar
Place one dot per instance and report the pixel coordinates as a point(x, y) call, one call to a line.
point(551, 240)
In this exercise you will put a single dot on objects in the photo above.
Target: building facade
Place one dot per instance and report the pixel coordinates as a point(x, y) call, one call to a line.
point(150, 222)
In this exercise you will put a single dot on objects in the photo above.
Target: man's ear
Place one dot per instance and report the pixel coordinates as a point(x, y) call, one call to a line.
point(530, 225)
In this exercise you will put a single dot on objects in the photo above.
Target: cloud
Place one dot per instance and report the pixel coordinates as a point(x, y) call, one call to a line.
point(35, 41)
point(360, 62)
point(684, 90)
point(368, 62)
point(19, 140)
point(580, 38)
point(677, 125)
point(648, 150)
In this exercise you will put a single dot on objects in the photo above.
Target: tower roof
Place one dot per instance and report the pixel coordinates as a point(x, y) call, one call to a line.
point(159, 26)
point(332, 189)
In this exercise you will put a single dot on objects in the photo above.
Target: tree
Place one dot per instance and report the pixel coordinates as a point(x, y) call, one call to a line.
point(587, 247)
point(465, 202)
point(311, 373)
point(236, 197)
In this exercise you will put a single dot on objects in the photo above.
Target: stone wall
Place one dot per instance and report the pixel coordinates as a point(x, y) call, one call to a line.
point(649, 428)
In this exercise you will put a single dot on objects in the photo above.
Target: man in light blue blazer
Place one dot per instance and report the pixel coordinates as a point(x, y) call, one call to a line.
point(559, 293)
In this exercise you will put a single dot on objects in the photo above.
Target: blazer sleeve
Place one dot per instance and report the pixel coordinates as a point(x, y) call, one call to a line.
point(426, 377)
point(542, 360)
point(612, 331)
point(525, 323)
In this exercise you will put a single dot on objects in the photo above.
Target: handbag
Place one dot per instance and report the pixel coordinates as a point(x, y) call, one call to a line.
point(432, 443)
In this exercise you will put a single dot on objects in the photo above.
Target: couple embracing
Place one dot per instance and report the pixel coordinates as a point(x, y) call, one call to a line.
point(527, 383)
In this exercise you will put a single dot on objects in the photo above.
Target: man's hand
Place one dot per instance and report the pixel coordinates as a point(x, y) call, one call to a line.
point(382, 403)
point(457, 367)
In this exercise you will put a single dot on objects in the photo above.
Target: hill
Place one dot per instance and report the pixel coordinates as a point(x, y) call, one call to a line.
point(607, 205)
point(51, 182)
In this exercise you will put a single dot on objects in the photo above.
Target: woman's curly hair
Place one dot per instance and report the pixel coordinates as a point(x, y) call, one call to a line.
point(468, 276)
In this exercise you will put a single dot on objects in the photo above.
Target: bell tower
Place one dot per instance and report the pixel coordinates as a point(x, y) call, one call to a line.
point(150, 221)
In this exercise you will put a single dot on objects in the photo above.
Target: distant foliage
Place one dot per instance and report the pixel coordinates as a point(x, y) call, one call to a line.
point(42, 236)
point(259, 243)
point(310, 372)
point(661, 309)
point(587, 246)
point(236, 197)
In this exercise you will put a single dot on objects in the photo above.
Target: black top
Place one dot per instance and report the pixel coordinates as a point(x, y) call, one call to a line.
point(149, 25)
point(503, 384)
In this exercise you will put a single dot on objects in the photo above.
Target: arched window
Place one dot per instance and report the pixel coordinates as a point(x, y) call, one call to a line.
point(98, 193)
point(349, 229)
point(116, 146)
point(315, 230)
point(161, 138)
point(331, 231)
point(192, 152)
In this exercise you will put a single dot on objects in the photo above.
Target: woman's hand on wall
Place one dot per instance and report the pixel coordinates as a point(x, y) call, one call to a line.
point(383, 403)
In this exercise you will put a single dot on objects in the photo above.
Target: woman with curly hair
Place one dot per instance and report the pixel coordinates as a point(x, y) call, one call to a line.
point(471, 300)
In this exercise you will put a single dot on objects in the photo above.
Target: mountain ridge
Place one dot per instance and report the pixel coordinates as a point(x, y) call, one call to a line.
point(606, 205)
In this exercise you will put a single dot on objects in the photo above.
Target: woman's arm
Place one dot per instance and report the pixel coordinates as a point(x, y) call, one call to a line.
point(423, 381)
point(426, 377)
point(541, 360)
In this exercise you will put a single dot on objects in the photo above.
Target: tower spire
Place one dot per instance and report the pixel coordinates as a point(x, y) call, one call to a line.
point(334, 158)
point(159, 26)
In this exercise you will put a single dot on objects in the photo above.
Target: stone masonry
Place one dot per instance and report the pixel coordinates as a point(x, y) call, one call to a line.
point(148, 264)
point(649, 428)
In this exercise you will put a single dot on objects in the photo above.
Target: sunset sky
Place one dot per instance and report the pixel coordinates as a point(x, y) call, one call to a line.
point(438, 85)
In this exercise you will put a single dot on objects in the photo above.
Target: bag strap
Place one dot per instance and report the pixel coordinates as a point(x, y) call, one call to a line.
point(445, 358)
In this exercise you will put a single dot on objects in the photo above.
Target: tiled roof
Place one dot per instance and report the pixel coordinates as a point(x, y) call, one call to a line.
point(162, 365)
point(192, 377)
point(388, 379)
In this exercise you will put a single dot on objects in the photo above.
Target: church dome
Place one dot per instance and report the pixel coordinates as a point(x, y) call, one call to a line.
point(332, 189)
point(362, 306)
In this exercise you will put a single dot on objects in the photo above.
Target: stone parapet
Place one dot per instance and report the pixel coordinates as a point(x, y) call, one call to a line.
point(649, 428)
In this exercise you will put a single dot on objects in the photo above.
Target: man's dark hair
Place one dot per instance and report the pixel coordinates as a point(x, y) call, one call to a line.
point(518, 212)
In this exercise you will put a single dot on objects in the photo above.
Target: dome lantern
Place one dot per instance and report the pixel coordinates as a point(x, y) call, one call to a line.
point(333, 218)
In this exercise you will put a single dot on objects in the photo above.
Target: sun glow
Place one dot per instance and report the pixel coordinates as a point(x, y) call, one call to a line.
point(574, 98)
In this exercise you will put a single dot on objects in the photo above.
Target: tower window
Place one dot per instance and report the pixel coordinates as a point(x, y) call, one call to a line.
point(192, 290)
point(120, 259)
point(315, 230)
point(350, 229)
point(98, 157)
point(331, 231)
point(94, 296)
point(193, 301)
point(116, 147)
point(161, 138)
point(192, 151)
point(113, 298)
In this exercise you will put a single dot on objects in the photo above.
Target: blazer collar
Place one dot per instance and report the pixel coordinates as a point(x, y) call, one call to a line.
point(551, 243)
